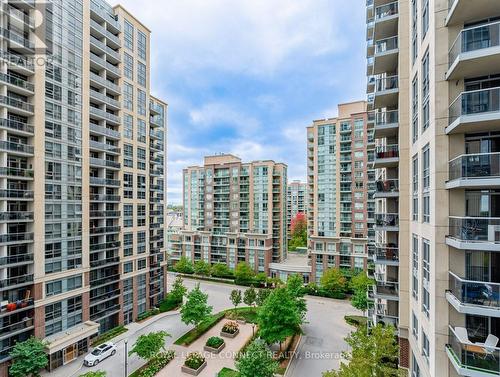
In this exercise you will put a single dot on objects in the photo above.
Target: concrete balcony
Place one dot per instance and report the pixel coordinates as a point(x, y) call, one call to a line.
point(97, 181)
point(386, 290)
point(17, 195)
point(386, 20)
point(16, 127)
point(386, 124)
point(18, 173)
point(386, 92)
point(475, 51)
point(475, 171)
point(386, 156)
point(386, 55)
point(472, 359)
point(17, 85)
point(111, 39)
point(102, 82)
point(17, 41)
point(387, 188)
point(104, 131)
point(16, 217)
point(475, 111)
point(387, 255)
point(462, 11)
point(17, 106)
point(102, 15)
point(474, 297)
point(15, 282)
point(104, 115)
point(102, 98)
point(388, 222)
point(16, 148)
point(100, 162)
point(474, 233)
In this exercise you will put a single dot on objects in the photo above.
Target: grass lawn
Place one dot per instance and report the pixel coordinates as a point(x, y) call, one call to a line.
point(226, 372)
point(248, 313)
point(356, 320)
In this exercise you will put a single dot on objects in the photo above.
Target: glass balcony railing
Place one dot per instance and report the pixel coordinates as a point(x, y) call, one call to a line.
point(470, 166)
point(386, 83)
point(386, 219)
point(475, 229)
point(387, 151)
point(386, 252)
point(473, 39)
point(387, 44)
point(386, 10)
point(386, 117)
point(386, 288)
point(479, 358)
point(387, 185)
point(475, 102)
point(477, 293)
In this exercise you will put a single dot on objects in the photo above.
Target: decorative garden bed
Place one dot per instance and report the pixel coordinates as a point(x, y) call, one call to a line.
point(230, 330)
point(194, 364)
point(214, 345)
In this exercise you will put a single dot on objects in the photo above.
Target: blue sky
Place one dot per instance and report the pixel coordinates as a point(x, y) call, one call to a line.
point(247, 76)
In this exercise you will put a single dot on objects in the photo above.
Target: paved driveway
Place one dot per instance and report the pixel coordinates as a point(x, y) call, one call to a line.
point(324, 332)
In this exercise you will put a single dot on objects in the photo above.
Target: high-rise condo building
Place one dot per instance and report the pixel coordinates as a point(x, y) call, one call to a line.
point(233, 212)
point(340, 190)
point(82, 174)
point(296, 201)
point(434, 85)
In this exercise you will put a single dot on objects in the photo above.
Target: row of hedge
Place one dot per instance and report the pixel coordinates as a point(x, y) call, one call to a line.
point(155, 365)
point(108, 335)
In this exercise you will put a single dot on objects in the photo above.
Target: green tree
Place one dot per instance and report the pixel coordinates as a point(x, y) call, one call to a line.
point(261, 278)
point(149, 345)
point(333, 281)
point(262, 294)
point(235, 297)
point(243, 273)
point(257, 361)
point(295, 286)
point(372, 355)
point(202, 268)
point(359, 285)
point(28, 358)
point(184, 266)
point(196, 307)
point(278, 317)
point(220, 270)
point(250, 296)
point(97, 373)
point(178, 289)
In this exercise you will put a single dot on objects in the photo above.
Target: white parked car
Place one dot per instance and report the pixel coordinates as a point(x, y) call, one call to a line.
point(100, 353)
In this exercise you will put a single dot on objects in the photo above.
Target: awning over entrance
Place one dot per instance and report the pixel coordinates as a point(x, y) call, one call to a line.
point(71, 336)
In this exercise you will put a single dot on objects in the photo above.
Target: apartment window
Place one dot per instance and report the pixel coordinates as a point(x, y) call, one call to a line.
point(128, 122)
point(425, 346)
point(425, 91)
point(415, 188)
point(141, 74)
point(414, 35)
point(128, 186)
point(141, 187)
point(128, 244)
point(426, 183)
point(128, 213)
point(141, 215)
point(141, 264)
point(426, 208)
point(128, 159)
point(414, 327)
point(128, 63)
point(142, 45)
point(425, 17)
point(128, 267)
point(128, 96)
point(141, 130)
point(415, 267)
point(415, 369)
point(129, 36)
point(426, 255)
point(141, 102)
point(414, 101)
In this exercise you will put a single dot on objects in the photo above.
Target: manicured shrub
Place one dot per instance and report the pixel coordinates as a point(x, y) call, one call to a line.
point(230, 327)
point(214, 342)
point(194, 360)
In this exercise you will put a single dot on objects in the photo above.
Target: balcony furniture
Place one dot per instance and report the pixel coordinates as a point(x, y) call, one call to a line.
point(489, 346)
point(462, 335)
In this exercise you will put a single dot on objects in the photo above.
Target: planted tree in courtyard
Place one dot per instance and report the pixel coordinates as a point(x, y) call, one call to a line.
point(333, 281)
point(149, 345)
point(202, 268)
point(184, 266)
point(372, 355)
point(359, 285)
point(279, 318)
point(221, 270)
point(298, 230)
point(295, 287)
point(250, 296)
point(196, 307)
point(243, 274)
point(262, 294)
point(235, 298)
point(28, 358)
point(257, 361)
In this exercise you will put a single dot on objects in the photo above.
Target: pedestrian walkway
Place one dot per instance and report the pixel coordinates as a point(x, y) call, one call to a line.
point(225, 359)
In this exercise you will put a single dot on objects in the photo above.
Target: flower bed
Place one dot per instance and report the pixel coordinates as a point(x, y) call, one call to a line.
point(214, 344)
point(230, 329)
point(194, 364)
point(154, 365)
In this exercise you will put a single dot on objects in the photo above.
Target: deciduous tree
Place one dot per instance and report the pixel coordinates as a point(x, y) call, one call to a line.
point(257, 361)
point(196, 307)
point(149, 345)
point(28, 358)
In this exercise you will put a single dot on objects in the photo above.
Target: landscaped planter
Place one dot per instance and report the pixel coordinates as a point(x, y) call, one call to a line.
point(194, 372)
point(214, 350)
point(229, 335)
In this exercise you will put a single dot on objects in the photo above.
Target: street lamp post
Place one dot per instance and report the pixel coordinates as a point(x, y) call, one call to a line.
point(126, 358)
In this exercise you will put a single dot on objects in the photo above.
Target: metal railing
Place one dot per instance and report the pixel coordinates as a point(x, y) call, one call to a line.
point(9, 79)
point(386, 117)
point(16, 194)
point(16, 147)
point(16, 172)
point(387, 44)
point(386, 83)
point(386, 219)
point(386, 10)
point(387, 185)
point(15, 125)
point(14, 102)
point(475, 38)
point(387, 151)
point(479, 165)
point(475, 102)
point(384, 252)
point(475, 229)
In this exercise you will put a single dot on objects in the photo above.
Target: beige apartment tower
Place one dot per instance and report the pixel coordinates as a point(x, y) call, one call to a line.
point(296, 201)
point(340, 190)
point(233, 212)
point(82, 175)
point(434, 85)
